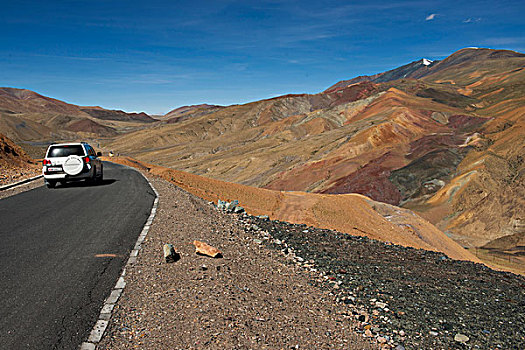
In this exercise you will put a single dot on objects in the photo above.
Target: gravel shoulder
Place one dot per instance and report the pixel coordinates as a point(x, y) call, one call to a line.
point(249, 299)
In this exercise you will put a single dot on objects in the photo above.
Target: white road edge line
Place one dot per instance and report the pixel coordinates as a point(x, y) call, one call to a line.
point(97, 333)
point(19, 183)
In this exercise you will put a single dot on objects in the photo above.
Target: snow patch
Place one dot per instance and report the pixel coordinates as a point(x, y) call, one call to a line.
point(426, 62)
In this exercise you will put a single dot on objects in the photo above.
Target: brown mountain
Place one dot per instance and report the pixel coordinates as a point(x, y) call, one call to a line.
point(416, 69)
point(107, 114)
point(448, 144)
point(186, 112)
point(28, 116)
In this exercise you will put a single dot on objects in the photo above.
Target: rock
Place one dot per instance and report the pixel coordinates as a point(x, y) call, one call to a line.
point(381, 339)
point(170, 255)
point(221, 204)
point(231, 206)
point(399, 347)
point(368, 333)
point(461, 338)
point(238, 210)
point(380, 304)
point(205, 249)
point(402, 333)
point(433, 333)
point(257, 241)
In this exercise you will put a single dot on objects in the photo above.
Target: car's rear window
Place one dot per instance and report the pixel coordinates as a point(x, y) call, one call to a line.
point(65, 151)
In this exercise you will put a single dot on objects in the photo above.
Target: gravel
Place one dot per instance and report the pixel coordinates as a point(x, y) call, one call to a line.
point(412, 298)
point(252, 298)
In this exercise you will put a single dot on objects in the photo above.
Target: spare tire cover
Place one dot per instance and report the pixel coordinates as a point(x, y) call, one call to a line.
point(73, 165)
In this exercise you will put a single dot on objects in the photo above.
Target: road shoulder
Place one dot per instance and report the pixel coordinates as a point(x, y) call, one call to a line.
point(22, 188)
point(250, 298)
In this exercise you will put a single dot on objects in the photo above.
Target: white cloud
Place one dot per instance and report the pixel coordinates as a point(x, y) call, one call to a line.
point(431, 17)
point(472, 20)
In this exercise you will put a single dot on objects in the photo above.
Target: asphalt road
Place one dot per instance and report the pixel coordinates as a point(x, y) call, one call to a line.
point(54, 275)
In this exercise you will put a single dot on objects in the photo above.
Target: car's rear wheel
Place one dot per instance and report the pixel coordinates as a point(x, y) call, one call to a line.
point(93, 177)
point(100, 176)
point(51, 183)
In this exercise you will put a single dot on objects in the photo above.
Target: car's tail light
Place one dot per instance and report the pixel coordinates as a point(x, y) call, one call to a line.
point(46, 162)
point(86, 160)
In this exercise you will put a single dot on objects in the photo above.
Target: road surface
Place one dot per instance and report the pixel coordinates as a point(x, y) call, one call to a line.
point(61, 252)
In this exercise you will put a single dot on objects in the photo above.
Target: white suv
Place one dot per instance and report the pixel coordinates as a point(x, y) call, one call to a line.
point(71, 161)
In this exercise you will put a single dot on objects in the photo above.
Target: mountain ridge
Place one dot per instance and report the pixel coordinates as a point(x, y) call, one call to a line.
point(26, 115)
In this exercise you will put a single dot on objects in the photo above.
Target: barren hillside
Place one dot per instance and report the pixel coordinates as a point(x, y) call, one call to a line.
point(15, 164)
point(28, 116)
point(448, 142)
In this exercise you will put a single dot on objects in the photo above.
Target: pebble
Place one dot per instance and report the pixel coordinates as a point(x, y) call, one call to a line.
point(380, 304)
point(461, 338)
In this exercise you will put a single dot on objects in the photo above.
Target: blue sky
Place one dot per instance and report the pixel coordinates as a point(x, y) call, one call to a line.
point(154, 56)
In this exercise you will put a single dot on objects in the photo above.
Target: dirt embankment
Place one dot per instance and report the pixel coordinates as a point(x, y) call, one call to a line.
point(15, 164)
point(349, 213)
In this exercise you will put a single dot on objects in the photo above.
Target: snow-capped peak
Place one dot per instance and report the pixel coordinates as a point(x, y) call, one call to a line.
point(426, 62)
